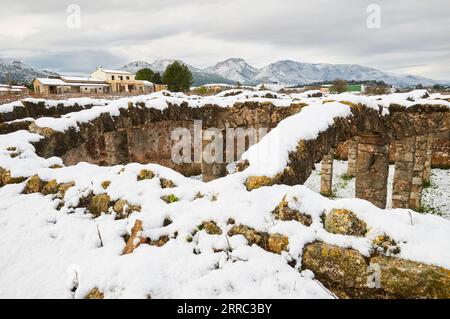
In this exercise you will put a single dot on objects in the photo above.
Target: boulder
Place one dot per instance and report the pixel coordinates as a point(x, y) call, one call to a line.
point(252, 235)
point(210, 228)
point(277, 243)
point(5, 178)
point(167, 183)
point(124, 209)
point(345, 222)
point(105, 184)
point(50, 188)
point(33, 185)
point(145, 174)
point(409, 279)
point(285, 213)
point(95, 293)
point(99, 204)
point(255, 182)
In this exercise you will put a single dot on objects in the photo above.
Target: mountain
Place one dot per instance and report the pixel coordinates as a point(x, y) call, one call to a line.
point(200, 76)
point(286, 71)
point(292, 72)
point(19, 72)
point(236, 70)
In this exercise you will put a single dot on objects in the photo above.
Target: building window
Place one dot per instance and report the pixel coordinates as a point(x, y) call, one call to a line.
point(128, 77)
point(120, 78)
point(112, 77)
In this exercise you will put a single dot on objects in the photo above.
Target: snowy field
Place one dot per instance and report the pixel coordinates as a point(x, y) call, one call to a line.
point(435, 198)
point(52, 246)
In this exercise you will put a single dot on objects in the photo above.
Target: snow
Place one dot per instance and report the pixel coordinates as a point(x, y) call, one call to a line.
point(46, 253)
point(434, 198)
point(271, 154)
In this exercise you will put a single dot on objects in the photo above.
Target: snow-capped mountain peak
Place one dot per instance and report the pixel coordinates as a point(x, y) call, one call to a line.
point(236, 69)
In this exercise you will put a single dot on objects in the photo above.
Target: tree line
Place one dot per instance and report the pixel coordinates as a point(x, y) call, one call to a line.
point(177, 77)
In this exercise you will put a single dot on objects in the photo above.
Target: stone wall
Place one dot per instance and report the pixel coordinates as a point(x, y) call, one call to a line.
point(143, 135)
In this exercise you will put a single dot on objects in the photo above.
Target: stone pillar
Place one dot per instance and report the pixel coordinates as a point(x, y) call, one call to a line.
point(326, 175)
point(404, 164)
point(352, 157)
point(429, 155)
point(415, 200)
point(214, 165)
point(372, 169)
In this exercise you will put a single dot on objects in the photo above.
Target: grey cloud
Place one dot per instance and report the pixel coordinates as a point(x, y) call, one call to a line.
point(203, 32)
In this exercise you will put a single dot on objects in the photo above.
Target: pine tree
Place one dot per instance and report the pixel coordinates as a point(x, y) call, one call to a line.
point(177, 77)
point(157, 78)
point(145, 74)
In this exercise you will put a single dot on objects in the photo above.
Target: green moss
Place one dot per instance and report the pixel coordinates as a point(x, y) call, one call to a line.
point(169, 199)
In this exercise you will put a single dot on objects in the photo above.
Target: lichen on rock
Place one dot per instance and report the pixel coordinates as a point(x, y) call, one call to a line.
point(33, 185)
point(210, 228)
point(385, 245)
point(285, 213)
point(277, 243)
point(169, 199)
point(123, 209)
point(95, 293)
point(255, 182)
point(50, 188)
point(167, 183)
point(99, 204)
point(345, 222)
point(274, 243)
point(145, 174)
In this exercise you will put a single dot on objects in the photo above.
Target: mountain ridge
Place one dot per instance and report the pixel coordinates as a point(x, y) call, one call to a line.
point(233, 70)
point(291, 72)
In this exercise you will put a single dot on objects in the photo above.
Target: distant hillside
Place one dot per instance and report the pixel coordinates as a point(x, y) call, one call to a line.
point(19, 72)
point(200, 76)
point(286, 71)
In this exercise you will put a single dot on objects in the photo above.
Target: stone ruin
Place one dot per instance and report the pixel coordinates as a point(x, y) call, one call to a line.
point(143, 135)
point(373, 138)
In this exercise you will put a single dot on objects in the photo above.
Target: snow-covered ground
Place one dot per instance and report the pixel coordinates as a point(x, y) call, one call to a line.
point(435, 198)
point(47, 252)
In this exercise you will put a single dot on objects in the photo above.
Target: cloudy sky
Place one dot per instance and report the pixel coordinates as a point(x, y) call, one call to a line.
point(413, 37)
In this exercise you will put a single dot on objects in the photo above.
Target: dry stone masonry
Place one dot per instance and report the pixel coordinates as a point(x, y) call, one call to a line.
point(142, 134)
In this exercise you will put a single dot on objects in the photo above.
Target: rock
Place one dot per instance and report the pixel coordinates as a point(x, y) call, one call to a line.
point(105, 184)
point(33, 185)
point(167, 183)
point(54, 166)
point(252, 235)
point(124, 209)
point(167, 221)
point(145, 174)
point(50, 188)
point(385, 245)
point(277, 243)
point(210, 228)
point(135, 238)
point(345, 222)
point(62, 189)
point(99, 204)
point(169, 199)
point(408, 279)
point(285, 213)
point(160, 242)
point(242, 166)
point(5, 178)
point(344, 271)
point(255, 182)
point(95, 293)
